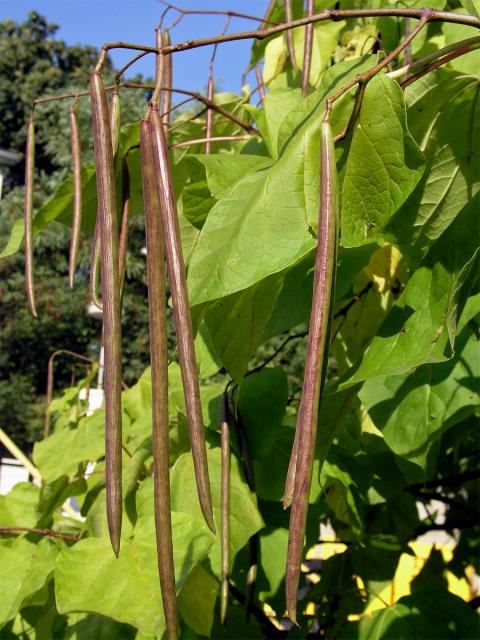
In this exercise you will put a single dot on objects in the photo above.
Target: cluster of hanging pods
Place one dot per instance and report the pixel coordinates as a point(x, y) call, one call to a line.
point(164, 246)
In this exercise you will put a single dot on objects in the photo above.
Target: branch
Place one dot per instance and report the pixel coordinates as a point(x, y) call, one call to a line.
point(40, 532)
point(449, 481)
point(211, 12)
point(260, 615)
point(421, 62)
point(438, 63)
point(329, 14)
point(198, 96)
point(366, 76)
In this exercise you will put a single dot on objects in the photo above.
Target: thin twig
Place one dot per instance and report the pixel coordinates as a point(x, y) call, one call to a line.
point(198, 96)
point(40, 532)
point(212, 12)
point(50, 371)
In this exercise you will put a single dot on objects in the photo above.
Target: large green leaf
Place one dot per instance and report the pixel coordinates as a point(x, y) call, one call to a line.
point(261, 403)
point(225, 170)
point(383, 164)
point(261, 226)
point(19, 507)
point(62, 452)
point(236, 323)
point(245, 520)
point(427, 613)
point(449, 135)
point(24, 569)
point(88, 576)
point(413, 411)
point(196, 602)
point(420, 327)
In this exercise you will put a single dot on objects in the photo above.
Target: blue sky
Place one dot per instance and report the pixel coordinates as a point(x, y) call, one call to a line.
point(97, 21)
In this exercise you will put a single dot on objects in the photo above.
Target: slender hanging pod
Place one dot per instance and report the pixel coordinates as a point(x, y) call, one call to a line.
point(209, 115)
point(316, 356)
point(225, 505)
point(77, 195)
point(159, 362)
point(307, 51)
point(181, 312)
point(107, 214)
point(28, 214)
point(115, 122)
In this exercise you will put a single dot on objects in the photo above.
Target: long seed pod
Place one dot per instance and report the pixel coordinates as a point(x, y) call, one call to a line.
point(209, 114)
point(77, 195)
point(123, 241)
point(167, 80)
point(289, 34)
point(115, 120)
point(225, 506)
point(28, 214)
point(159, 361)
point(307, 51)
point(102, 139)
point(95, 266)
point(181, 312)
point(317, 349)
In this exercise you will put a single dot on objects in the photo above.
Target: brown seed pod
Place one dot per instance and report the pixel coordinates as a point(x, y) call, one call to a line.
point(115, 120)
point(95, 266)
point(111, 305)
point(28, 215)
point(225, 505)
point(77, 195)
point(159, 362)
point(181, 312)
point(307, 51)
point(123, 240)
point(316, 356)
point(209, 115)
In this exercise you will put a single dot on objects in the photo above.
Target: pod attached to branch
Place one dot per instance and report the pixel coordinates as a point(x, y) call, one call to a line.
point(167, 73)
point(225, 505)
point(28, 215)
point(107, 214)
point(77, 195)
point(209, 115)
point(181, 312)
point(315, 363)
point(159, 362)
